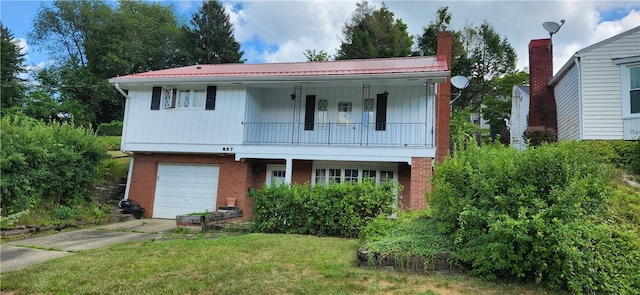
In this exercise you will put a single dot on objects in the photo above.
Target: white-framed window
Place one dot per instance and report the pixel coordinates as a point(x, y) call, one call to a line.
point(183, 98)
point(340, 172)
point(335, 176)
point(321, 176)
point(191, 98)
point(369, 112)
point(168, 98)
point(322, 111)
point(630, 86)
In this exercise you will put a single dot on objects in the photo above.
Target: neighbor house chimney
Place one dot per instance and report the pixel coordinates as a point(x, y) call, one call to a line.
point(542, 104)
point(443, 106)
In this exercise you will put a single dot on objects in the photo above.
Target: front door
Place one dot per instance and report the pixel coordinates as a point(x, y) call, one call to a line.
point(275, 174)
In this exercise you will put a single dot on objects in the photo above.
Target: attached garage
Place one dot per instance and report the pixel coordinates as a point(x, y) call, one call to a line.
point(185, 188)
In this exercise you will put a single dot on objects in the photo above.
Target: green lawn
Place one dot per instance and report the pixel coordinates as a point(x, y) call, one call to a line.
point(247, 264)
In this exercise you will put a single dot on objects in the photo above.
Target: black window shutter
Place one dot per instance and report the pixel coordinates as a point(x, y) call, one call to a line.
point(211, 98)
point(309, 112)
point(381, 112)
point(155, 98)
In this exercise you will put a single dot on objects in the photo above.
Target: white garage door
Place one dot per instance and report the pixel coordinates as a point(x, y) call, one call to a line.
point(182, 189)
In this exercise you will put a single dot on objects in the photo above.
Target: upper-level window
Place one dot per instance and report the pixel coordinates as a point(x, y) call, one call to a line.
point(345, 110)
point(322, 111)
point(634, 89)
point(188, 98)
point(168, 98)
point(368, 114)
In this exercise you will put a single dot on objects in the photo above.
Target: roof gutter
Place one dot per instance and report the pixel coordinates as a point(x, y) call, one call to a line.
point(117, 85)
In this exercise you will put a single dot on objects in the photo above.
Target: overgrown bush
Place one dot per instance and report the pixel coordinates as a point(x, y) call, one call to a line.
point(113, 128)
point(111, 143)
point(338, 210)
point(539, 215)
point(537, 135)
point(46, 164)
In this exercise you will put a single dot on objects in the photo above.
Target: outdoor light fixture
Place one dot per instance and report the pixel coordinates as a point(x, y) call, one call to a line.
point(460, 82)
point(293, 96)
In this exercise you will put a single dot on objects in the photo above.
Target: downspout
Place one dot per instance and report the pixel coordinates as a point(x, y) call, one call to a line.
point(122, 140)
point(576, 60)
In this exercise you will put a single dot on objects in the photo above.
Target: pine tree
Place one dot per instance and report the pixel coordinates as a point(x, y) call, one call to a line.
point(374, 33)
point(209, 39)
point(11, 60)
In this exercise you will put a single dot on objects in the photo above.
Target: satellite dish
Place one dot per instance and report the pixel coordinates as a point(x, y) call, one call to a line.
point(460, 82)
point(551, 27)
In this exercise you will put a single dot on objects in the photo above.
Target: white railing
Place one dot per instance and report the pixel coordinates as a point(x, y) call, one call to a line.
point(352, 134)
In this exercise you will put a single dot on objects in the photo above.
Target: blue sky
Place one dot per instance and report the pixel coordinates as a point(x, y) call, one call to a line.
point(280, 31)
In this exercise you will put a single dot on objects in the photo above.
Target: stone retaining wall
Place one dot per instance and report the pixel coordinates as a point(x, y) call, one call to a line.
point(441, 262)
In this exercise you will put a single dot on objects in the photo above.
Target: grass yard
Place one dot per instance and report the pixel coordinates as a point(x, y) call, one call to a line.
point(247, 264)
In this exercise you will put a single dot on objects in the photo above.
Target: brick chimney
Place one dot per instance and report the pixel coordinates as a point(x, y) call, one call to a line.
point(443, 107)
point(542, 103)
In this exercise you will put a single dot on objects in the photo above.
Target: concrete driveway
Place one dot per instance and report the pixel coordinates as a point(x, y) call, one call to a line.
point(18, 254)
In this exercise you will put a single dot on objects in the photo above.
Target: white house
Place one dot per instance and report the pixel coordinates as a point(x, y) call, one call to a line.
point(597, 91)
point(201, 134)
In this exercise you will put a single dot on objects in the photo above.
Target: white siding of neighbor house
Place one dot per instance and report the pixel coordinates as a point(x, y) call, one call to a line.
point(601, 88)
point(183, 127)
point(567, 94)
point(519, 117)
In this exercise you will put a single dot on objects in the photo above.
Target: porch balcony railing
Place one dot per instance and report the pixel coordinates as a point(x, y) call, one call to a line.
point(351, 134)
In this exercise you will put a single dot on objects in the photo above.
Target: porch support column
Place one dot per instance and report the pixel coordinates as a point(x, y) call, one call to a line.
point(288, 170)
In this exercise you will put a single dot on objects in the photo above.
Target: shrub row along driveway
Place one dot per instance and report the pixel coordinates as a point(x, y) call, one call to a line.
point(18, 254)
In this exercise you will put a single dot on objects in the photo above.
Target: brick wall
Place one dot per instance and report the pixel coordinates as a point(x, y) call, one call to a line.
point(404, 179)
point(420, 174)
point(443, 107)
point(542, 104)
point(302, 171)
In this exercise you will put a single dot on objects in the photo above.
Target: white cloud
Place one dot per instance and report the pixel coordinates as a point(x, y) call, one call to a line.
point(293, 26)
point(22, 44)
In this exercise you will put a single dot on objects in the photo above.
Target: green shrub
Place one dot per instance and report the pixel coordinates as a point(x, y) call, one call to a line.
point(538, 215)
point(537, 135)
point(64, 213)
point(111, 143)
point(112, 169)
point(49, 164)
point(339, 210)
point(113, 128)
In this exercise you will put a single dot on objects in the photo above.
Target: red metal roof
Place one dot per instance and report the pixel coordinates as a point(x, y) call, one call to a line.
point(380, 66)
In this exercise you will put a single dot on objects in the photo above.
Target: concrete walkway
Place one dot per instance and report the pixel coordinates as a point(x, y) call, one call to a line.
point(18, 254)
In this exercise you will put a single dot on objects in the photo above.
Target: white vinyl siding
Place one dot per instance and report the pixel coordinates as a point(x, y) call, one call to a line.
point(567, 95)
point(601, 88)
point(273, 117)
point(180, 127)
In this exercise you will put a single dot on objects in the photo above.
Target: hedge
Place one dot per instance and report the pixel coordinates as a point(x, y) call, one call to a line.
point(338, 210)
point(46, 164)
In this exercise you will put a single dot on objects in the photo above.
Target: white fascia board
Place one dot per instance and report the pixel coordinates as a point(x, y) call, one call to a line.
point(329, 153)
point(434, 77)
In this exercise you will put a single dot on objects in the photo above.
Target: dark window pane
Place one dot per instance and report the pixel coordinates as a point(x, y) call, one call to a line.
point(635, 102)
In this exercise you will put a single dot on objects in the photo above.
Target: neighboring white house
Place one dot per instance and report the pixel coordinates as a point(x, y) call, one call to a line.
point(206, 133)
point(597, 91)
point(518, 121)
